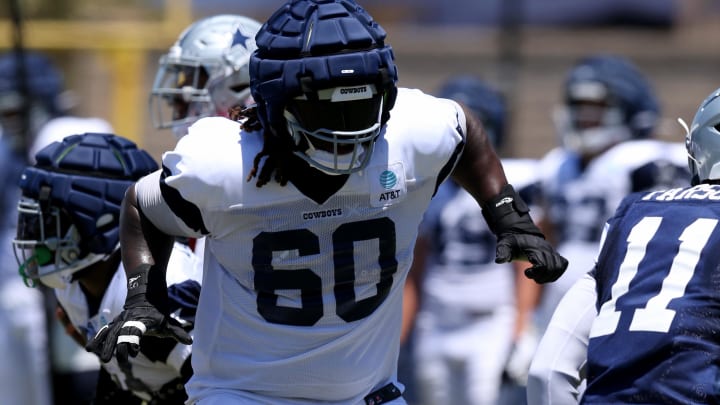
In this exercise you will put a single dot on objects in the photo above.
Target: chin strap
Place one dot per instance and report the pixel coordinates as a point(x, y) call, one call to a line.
point(41, 255)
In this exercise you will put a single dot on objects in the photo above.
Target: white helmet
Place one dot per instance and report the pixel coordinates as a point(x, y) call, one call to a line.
point(703, 141)
point(204, 73)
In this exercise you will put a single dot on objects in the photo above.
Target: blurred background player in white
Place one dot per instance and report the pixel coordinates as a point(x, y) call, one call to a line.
point(25, 369)
point(471, 308)
point(310, 207)
point(67, 239)
point(606, 128)
point(654, 340)
point(27, 123)
point(204, 73)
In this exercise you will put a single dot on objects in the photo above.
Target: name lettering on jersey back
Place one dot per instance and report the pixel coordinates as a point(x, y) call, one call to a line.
point(699, 192)
point(387, 184)
point(336, 212)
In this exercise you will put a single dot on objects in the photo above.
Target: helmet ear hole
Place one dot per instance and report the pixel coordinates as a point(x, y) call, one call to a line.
point(70, 255)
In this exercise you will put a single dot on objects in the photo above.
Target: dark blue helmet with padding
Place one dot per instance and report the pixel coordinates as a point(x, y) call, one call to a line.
point(323, 75)
point(69, 213)
point(484, 100)
point(606, 100)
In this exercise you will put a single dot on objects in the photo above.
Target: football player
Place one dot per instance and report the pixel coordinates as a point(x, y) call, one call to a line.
point(310, 208)
point(607, 150)
point(34, 111)
point(204, 73)
point(24, 371)
point(67, 239)
point(466, 297)
point(641, 327)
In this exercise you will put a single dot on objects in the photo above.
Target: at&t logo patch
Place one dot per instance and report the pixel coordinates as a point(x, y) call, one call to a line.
point(387, 185)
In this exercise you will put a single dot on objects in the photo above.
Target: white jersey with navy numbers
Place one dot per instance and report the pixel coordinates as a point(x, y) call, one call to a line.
point(579, 200)
point(302, 301)
point(462, 272)
point(162, 359)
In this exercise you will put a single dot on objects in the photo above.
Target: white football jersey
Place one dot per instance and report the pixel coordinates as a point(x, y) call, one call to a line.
point(301, 301)
point(462, 272)
point(579, 201)
point(154, 373)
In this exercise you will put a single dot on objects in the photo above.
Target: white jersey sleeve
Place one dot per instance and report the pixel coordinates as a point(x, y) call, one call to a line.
point(557, 371)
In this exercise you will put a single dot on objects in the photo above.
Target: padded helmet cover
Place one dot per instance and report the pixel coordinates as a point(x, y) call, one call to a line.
point(87, 175)
point(308, 45)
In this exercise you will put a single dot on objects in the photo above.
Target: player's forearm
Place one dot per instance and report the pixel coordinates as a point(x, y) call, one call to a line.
point(412, 290)
point(145, 250)
point(527, 296)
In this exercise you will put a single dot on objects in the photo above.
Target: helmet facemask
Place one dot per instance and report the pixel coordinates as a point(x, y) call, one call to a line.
point(204, 73)
point(48, 246)
point(179, 96)
point(590, 121)
point(335, 132)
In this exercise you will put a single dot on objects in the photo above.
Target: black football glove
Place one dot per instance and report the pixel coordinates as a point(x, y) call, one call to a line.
point(518, 238)
point(139, 318)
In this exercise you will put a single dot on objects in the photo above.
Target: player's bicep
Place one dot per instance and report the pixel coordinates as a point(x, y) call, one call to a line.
point(479, 169)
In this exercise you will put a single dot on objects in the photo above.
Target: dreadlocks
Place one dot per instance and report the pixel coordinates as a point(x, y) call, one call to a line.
point(274, 149)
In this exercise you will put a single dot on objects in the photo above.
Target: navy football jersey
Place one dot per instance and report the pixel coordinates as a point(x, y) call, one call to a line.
point(656, 339)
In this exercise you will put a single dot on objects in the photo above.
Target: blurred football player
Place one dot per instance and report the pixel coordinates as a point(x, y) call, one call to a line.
point(310, 208)
point(466, 297)
point(67, 239)
point(204, 73)
point(606, 127)
point(49, 104)
point(641, 327)
point(24, 371)
point(35, 109)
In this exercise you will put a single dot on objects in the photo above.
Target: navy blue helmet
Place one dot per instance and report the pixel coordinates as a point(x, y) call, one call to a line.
point(323, 76)
point(44, 90)
point(44, 81)
point(485, 101)
point(606, 100)
point(68, 216)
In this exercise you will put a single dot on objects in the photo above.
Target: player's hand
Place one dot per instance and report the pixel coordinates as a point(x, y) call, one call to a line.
point(547, 264)
point(124, 332)
point(518, 238)
point(517, 365)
